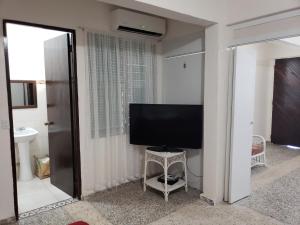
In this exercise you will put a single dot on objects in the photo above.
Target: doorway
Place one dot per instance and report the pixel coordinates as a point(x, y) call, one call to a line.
point(43, 112)
point(264, 151)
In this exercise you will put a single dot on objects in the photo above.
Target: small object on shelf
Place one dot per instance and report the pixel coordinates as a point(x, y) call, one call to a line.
point(171, 179)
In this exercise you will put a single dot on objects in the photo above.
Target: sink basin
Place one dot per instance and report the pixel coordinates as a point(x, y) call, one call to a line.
point(22, 137)
point(24, 134)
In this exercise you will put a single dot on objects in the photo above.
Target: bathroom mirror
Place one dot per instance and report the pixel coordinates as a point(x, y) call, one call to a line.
point(23, 94)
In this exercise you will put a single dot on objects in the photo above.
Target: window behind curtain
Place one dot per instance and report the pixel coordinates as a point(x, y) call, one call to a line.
point(121, 71)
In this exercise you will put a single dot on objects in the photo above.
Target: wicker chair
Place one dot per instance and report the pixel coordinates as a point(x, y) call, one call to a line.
point(258, 151)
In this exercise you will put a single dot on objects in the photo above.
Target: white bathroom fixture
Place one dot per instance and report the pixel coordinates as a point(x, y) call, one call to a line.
point(23, 136)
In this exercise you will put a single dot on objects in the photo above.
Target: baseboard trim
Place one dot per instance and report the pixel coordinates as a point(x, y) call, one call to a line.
point(207, 200)
point(8, 220)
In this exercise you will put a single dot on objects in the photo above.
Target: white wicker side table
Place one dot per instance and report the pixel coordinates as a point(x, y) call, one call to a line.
point(165, 159)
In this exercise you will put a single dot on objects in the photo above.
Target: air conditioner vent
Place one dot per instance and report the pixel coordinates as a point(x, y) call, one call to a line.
point(128, 21)
point(139, 31)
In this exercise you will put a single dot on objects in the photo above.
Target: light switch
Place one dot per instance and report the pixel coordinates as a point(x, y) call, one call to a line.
point(4, 124)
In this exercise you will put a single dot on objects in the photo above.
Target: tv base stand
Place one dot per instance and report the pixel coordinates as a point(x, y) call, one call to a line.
point(165, 159)
point(164, 149)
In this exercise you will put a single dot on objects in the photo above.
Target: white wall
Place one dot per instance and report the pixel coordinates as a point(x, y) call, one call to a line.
point(26, 62)
point(184, 85)
point(179, 84)
point(215, 111)
point(266, 55)
point(219, 11)
point(263, 98)
point(262, 30)
point(211, 10)
point(183, 79)
point(201, 12)
point(239, 10)
point(6, 186)
point(182, 38)
point(263, 90)
point(26, 51)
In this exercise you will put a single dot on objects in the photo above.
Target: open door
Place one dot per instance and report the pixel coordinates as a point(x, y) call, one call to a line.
point(242, 123)
point(57, 70)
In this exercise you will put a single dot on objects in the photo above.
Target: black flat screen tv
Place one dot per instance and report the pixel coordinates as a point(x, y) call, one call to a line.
point(175, 126)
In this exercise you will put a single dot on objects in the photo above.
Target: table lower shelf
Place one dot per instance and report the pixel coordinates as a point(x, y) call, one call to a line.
point(153, 183)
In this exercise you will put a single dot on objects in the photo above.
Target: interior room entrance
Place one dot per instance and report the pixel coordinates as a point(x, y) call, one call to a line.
point(265, 132)
point(42, 96)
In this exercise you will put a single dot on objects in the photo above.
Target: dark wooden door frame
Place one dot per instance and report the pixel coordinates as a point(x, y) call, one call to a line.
point(74, 108)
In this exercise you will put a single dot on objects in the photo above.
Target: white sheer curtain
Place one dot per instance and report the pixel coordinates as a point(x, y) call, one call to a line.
point(119, 71)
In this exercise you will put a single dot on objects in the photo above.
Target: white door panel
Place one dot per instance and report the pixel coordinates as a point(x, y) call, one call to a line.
point(242, 123)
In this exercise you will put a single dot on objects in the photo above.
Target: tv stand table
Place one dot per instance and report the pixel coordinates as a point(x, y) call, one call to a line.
point(165, 159)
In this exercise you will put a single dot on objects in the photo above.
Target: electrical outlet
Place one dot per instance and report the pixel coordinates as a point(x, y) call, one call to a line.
point(4, 125)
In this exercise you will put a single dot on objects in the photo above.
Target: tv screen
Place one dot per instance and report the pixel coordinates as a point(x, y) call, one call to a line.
point(177, 126)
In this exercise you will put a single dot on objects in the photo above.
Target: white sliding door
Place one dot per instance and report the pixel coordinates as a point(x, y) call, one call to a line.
point(242, 123)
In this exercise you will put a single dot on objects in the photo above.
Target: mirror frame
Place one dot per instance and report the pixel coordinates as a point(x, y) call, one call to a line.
point(34, 94)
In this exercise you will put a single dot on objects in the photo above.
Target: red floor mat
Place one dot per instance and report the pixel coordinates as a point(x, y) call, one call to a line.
point(79, 223)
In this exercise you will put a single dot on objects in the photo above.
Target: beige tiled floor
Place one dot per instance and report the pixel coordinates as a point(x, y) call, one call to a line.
point(38, 193)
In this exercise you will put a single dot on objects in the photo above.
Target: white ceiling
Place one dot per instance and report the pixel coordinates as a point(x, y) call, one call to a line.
point(293, 40)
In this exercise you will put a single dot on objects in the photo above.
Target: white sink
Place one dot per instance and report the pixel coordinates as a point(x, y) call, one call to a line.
point(22, 137)
point(24, 134)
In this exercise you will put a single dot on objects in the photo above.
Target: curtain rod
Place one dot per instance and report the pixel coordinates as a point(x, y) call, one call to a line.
point(183, 55)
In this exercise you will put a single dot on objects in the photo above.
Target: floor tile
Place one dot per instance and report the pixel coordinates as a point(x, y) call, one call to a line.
point(26, 187)
point(38, 193)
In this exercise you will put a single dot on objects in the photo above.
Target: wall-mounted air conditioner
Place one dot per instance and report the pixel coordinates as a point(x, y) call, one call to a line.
point(129, 21)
